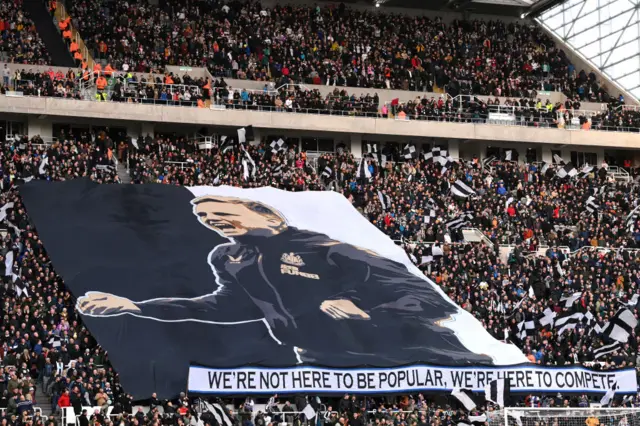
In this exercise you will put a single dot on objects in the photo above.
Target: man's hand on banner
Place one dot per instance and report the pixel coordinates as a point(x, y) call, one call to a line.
point(343, 309)
point(96, 303)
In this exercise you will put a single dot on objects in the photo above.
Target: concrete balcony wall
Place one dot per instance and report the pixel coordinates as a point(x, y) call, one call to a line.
point(125, 113)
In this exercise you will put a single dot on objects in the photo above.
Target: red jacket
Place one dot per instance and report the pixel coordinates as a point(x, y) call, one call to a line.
point(64, 401)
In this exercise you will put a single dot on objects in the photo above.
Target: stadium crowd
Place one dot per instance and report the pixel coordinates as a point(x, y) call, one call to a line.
point(185, 90)
point(49, 357)
point(339, 46)
point(19, 40)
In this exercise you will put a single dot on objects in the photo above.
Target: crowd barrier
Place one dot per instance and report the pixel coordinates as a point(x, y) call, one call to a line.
point(36, 410)
point(69, 416)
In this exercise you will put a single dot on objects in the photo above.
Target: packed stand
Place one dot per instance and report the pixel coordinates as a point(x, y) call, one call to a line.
point(49, 83)
point(293, 98)
point(618, 116)
point(335, 46)
point(47, 353)
point(167, 90)
point(170, 89)
point(50, 357)
point(19, 40)
point(470, 109)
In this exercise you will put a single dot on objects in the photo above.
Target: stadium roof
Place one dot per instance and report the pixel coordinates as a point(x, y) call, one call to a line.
point(605, 32)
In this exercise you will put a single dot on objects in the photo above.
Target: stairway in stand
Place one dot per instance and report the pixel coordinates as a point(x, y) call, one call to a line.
point(48, 31)
point(123, 174)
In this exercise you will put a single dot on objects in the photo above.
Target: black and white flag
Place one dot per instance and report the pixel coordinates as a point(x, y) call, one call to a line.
point(508, 154)
point(431, 253)
point(567, 321)
point(498, 392)
point(409, 152)
point(459, 221)
point(568, 170)
point(363, 171)
point(591, 205)
point(526, 327)
point(486, 162)
point(219, 413)
point(276, 169)
point(429, 215)
point(327, 172)
point(20, 288)
point(461, 189)
point(8, 263)
point(620, 327)
point(544, 168)
point(468, 399)
point(4, 209)
point(586, 170)
point(606, 349)
point(559, 272)
point(434, 154)
point(631, 219)
point(226, 144)
point(248, 166)
point(309, 412)
point(446, 163)
point(54, 341)
point(606, 399)
point(43, 164)
point(547, 317)
point(374, 151)
point(385, 200)
point(571, 299)
point(558, 160)
point(278, 146)
point(245, 134)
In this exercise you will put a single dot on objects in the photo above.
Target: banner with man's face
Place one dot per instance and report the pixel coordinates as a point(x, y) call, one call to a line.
point(169, 277)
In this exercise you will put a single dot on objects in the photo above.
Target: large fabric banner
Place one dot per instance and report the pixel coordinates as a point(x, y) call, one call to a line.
point(415, 378)
point(166, 277)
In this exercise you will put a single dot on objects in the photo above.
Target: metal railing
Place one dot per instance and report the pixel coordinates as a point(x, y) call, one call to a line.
point(181, 164)
point(61, 14)
point(618, 173)
point(36, 410)
point(451, 117)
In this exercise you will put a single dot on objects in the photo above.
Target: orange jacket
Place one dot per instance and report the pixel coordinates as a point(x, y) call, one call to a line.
point(200, 103)
point(66, 34)
point(64, 23)
point(97, 67)
point(77, 56)
point(73, 47)
point(101, 83)
point(108, 70)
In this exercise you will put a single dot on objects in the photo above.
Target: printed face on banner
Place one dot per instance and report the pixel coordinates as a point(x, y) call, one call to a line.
point(232, 217)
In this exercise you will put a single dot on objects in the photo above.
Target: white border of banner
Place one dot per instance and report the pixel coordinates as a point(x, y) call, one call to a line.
point(408, 379)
